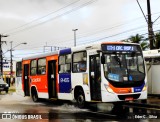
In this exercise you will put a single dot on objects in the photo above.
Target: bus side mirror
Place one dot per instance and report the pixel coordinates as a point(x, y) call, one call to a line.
point(102, 59)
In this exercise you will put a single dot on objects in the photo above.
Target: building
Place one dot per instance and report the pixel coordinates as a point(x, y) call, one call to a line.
point(7, 69)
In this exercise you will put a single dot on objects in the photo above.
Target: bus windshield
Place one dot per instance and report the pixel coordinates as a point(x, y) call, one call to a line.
point(124, 66)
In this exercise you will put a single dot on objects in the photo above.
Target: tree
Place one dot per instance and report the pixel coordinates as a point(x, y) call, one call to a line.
point(138, 39)
point(157, 40)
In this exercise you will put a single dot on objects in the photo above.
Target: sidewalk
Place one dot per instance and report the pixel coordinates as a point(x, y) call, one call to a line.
point(153, 100)
point(12, 88)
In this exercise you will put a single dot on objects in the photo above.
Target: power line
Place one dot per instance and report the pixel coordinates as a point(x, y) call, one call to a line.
point(126, 31)
point(112, 36)
point(42, 17)
point(140, 27)
point(142, 11)
point(52, 18)
point(83, 43)
point(106, 29)
point(130, 30)
point(65, 13)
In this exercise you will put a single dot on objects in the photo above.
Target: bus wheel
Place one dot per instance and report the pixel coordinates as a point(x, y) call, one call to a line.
point(34, 95)
point(80, 99)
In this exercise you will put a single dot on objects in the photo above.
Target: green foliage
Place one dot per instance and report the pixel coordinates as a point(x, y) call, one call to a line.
point(138, 39)
point(144, 41)
point(157, 40)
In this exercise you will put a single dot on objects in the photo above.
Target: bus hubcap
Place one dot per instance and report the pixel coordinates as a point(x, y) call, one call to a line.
point(81, 99)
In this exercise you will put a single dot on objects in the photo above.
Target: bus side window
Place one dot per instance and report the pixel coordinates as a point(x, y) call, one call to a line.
point(65, 63)
point(79, 62)
point(33, 67)
point(18, 69)
point(42, 66)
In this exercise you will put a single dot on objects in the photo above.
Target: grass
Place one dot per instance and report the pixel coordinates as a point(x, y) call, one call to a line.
point(12, 89)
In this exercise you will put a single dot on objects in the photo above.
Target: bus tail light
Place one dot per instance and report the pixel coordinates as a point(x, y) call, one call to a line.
point(108, 88)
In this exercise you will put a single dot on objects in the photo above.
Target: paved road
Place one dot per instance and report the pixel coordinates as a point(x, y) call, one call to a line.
point(23, 109)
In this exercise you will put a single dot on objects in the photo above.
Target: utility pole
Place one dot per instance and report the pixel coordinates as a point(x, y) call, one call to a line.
point(150, 29)
point(74, 36)
point(1, 56)
point(11, 65)
point(149, 23)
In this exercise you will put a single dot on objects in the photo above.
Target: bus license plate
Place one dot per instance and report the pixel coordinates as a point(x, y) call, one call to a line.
point(128, 98)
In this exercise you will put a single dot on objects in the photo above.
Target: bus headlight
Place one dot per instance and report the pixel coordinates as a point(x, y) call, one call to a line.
point(108, 88)
point(7, 85)
point(144, 88)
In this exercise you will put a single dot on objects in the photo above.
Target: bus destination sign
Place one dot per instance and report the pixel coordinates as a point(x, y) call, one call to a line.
point(119, 48)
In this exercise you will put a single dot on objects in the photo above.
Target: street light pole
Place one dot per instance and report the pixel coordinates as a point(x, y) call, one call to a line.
point(11, 67)
point(74, 36)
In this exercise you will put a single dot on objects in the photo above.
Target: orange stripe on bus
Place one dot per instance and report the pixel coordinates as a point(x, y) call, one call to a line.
point(120, 90)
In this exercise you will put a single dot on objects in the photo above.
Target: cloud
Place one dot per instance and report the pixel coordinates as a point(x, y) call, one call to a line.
point(93, 21)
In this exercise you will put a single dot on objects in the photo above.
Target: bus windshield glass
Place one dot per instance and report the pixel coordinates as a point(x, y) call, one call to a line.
point(124, 65)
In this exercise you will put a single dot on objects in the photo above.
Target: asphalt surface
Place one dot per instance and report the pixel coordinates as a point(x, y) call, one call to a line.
point(22, 109)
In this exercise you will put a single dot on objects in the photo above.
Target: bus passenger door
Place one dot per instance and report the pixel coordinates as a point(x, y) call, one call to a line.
point(26, 80)
point(52, 79)
point(95, 77)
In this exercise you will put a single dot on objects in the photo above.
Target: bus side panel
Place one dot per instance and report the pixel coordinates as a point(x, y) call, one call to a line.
point(65, 83)
point(19, 88)
point(40, 81)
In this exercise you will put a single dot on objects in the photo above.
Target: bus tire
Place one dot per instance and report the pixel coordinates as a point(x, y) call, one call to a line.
point(80, 99)
point(34, 95)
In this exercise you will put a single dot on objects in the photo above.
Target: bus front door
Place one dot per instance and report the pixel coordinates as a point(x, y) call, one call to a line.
point(52, 79)
point(26, 80)
point(95, 77)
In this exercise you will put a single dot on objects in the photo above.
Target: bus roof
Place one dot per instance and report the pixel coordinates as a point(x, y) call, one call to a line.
point(41, 55)
point(97, 45)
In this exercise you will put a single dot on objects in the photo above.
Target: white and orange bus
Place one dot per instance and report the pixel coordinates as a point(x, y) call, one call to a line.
point(100, 72)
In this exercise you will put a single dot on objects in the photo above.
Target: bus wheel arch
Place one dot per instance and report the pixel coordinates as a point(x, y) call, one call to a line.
point(34, 94)
point(79, 96)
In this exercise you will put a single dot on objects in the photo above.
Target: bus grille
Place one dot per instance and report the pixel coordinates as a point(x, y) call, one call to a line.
point(134, 96)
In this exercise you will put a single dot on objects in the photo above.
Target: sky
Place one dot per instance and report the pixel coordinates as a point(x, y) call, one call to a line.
point(48, 23)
